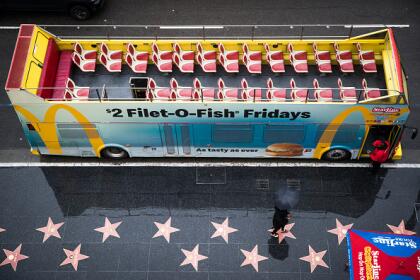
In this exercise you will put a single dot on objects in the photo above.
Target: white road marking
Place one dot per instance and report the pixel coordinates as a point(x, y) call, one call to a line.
point(9, 27)
point(203, 164)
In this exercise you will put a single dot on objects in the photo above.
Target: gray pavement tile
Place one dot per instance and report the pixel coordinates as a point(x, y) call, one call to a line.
point(81, 229)
point(103, 257)
point(192, 229)
point(70, 275)
point(165, 257)
point(283, 258)
point(133, 257)
point(42, 257)
point(141, 204)
point(245, 274)
point(193, 275)
point(309, 276)
point(135, 229)
point(113, 205)
point(132, 276)
point(19, 229)
point(284, 275)
point(102, 275)
point(79, 204)
point(224, 257)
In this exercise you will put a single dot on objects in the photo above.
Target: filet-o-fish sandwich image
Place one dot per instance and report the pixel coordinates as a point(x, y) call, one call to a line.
point(284, 150)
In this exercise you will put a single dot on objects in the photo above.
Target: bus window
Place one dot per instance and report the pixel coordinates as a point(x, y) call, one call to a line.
point(232, 133)
point(346, 134)
point(169, 139)
point(185, 139)
point(284, 134)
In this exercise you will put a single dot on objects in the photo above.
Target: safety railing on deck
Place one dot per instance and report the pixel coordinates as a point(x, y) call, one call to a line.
point(295, 31)
point(298, 95)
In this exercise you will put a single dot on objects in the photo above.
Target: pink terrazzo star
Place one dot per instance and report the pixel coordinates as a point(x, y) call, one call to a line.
point(165, 230)
point(252, 258)
point(223, 230)
point(400, 229)
point(13, 257)
point(192, 257)
point(109, 229)
point(315, 258)
point(340, 230)
point(73, 257)
point(287, 233)
point(50, 229)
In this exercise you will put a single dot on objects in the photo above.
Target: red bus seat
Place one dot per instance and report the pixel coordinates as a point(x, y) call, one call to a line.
point(63, 73)
point(55, 71)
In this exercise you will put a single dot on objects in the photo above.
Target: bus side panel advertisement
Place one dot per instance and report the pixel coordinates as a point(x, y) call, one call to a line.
point(208, 130)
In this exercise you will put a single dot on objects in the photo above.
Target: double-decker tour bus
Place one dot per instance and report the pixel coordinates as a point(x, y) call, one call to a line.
point(208, 91)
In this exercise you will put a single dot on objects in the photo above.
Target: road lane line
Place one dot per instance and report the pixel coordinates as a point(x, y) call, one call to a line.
point(9, 27)
point(204, 164)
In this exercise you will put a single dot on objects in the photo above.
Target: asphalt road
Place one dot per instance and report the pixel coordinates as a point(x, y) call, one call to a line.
point(12, 143)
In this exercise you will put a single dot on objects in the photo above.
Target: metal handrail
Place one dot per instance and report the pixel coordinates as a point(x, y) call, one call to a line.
point(253, 99)
point(155, 29)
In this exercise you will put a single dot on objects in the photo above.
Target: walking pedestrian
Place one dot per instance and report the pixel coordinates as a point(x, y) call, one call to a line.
point(280, 220)
point(380, 154)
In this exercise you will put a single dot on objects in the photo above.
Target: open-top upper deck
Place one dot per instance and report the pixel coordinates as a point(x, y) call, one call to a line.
point(209, 64)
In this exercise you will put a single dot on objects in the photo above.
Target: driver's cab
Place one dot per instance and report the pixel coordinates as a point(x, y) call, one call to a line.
point(390, 133)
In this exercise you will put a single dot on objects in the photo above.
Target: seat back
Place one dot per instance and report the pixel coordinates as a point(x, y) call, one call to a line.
point(177, 59)
point(49, 70)
point(315, 83)
point(103, 59)
point(155, 48)
point(173, 83)
point(151, 83)
point(221, 48)
point(70, 85)
point(131, 50)
point(196, 83)
point(290, 48)
point(292, 83)
point(78, 48)
point(104, 49)
point(177, 48)
point(220, 83)
point(129, 59)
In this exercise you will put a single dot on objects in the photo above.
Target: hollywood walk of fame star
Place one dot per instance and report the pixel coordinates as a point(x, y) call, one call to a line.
point(192, 257)
point(165, 230)
point(287, 233)
point(315, 258)
point(109, 229)
point(400, 229)
point(252, 257)
point(340, 230)
point(73, 257)
point(223, 230)
point(13, 257)
point(50, 229)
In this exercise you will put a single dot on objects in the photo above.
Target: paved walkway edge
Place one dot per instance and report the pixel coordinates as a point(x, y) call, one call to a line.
point(203, 164)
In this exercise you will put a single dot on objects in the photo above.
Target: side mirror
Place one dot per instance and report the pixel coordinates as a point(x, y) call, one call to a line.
point(414, 133)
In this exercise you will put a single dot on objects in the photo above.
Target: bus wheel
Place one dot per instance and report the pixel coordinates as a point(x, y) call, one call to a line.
point(336, 155)
point(114, 153)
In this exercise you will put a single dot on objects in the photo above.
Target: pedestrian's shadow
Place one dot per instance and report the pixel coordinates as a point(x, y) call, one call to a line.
point(276, 250)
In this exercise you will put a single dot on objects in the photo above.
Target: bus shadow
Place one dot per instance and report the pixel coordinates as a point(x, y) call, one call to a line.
point(150, 191)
